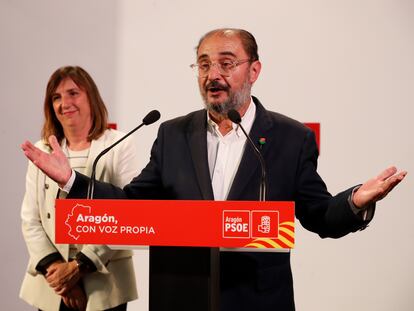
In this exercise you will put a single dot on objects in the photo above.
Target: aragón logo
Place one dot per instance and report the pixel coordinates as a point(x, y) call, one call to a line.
point(81, 220)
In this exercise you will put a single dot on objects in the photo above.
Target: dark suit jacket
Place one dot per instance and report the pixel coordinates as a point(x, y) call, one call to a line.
point(178, 169)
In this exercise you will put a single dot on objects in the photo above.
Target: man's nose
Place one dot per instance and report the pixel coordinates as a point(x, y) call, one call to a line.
point(214, 72)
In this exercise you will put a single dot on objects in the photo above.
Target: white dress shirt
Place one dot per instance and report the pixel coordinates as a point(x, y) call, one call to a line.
point(225, 152)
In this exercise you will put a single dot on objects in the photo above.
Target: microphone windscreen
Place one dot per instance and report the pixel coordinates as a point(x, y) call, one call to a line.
point(151, 117)
point(234, 116)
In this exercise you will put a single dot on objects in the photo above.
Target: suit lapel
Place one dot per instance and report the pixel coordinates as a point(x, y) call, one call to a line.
point(249, 163)
point(197, 140)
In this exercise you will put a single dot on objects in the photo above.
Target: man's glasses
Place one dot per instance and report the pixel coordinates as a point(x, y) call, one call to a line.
point(224, 67)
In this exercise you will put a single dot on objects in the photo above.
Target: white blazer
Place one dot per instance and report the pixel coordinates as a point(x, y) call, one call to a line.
point(114, 281)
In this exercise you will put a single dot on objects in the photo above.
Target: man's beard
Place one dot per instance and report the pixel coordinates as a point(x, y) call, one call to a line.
point(234, 101)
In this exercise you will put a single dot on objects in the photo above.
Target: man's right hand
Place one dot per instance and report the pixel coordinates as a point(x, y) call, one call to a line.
point(55, 165)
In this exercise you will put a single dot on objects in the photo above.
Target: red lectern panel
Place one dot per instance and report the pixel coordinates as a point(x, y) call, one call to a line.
point(229, 224)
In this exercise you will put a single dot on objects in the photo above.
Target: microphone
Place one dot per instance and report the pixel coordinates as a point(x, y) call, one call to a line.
point(234, 117)
point(150, 118)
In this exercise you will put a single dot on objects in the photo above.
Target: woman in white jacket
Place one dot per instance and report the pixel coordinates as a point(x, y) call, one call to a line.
point(75, 277)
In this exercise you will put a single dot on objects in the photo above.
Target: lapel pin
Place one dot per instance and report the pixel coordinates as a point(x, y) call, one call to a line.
point(262, 141)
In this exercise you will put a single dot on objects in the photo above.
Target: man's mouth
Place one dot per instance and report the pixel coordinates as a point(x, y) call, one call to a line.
point(215, 87)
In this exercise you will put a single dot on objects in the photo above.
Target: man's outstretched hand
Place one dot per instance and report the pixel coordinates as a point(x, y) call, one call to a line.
point(54, 164)
point(378, 187)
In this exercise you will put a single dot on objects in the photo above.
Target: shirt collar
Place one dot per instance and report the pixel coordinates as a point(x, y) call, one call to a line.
point(246, 121)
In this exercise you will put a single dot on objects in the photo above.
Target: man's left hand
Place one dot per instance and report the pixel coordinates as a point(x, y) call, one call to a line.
point(378, 187)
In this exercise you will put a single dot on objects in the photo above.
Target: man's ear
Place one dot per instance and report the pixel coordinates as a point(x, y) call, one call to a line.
point(255, 68)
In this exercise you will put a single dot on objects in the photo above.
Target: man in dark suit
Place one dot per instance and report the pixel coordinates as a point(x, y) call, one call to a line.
point(203, 155)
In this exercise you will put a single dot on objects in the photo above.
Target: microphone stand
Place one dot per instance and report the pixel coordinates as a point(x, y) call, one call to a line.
point(234, 116)
point(150, 118)
point(262, 191)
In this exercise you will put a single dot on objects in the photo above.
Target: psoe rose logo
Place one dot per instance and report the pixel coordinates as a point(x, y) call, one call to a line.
point(265, 224)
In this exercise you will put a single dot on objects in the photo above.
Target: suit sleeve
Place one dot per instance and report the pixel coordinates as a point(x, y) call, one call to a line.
point(37, 241)
point(316, 209)
point(149, 185)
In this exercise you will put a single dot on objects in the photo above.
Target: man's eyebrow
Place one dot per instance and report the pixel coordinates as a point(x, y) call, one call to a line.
point(225, 53)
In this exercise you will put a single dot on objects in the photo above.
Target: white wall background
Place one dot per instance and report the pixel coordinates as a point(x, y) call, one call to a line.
point(347, 64)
